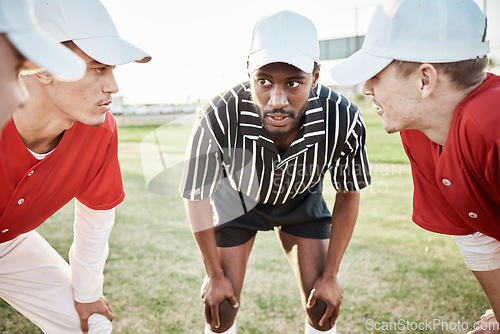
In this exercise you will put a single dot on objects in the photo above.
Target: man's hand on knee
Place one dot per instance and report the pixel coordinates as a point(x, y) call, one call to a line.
point(213, 292)
point(85, 310)
point(328, 290)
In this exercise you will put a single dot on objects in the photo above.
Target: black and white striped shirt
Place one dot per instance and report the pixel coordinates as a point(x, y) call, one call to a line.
point(228, 141)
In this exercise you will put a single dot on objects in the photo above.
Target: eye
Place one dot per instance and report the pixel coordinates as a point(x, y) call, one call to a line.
point(293, 84)
point(100, 69)
point(264, 82)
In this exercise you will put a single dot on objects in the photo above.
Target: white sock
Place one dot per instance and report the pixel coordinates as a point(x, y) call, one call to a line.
point(311, 330)
point(231, 330)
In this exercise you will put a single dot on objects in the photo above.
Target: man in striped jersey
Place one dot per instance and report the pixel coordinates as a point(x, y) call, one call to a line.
point(429, 82)
point(257, 159)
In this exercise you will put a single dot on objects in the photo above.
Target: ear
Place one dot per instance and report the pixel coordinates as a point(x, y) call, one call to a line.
point(428, 76)
point(45, 77)
point(316, 76)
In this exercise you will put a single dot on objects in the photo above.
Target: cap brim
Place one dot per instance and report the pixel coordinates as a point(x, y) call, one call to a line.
point(111, 50)
point(279, 55)
point(358, 68)
point(45, 52)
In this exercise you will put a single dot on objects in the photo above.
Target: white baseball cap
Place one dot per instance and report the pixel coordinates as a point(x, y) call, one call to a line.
point(18, 23)
point(284, 37)
point(425, 31)
point(88, 24)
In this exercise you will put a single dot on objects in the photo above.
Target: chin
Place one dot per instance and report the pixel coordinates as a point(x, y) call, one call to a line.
point(95, 121)
point(98, 123)
point(278, 133)
point(390, 129)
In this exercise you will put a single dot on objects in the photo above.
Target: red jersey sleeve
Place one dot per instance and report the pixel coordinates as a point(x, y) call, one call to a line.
point(104, 190)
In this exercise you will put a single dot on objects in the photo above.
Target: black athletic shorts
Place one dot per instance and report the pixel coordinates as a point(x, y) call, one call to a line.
point(306, 215)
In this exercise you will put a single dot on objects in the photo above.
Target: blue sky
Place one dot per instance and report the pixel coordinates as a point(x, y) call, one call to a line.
point(199, 48)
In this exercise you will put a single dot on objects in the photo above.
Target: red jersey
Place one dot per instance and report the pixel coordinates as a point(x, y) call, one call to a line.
point(457, 187)
point(83, 165)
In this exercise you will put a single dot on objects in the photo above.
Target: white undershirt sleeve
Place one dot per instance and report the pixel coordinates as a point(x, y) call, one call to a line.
point(89, 251)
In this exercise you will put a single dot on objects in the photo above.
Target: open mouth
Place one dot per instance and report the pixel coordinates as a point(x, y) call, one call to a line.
point(105, 106)
point(278, 119)
point(380, 110)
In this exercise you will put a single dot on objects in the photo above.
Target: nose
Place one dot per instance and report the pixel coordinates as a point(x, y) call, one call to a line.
point(368, 87)
point(110, 85)
point(278, 98)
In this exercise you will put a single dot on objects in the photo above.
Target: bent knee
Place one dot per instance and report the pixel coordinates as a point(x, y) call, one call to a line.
point(314, 315)
point(227, 314)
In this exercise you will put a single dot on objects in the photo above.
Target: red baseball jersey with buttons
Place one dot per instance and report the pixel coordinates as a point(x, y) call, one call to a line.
point(83, 165)
point(457, 187)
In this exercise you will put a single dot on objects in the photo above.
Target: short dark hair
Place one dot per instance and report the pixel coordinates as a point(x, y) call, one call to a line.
point(463, 74)
point(316, 66)
point(69, 44)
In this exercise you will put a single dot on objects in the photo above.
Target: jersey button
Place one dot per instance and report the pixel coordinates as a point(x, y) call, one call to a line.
point(31, 173)
point(5, 231)
point(446, 182)
point(21, 201)
point(472, 214)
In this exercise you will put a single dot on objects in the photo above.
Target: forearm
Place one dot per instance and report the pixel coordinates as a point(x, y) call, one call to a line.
point(200, 216)
point(344, 216)
point(89, 251)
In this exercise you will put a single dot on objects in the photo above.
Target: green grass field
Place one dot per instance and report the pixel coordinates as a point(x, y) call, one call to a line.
point(394, 274)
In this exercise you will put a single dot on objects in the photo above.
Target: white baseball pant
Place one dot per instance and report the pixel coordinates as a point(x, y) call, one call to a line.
point(36, 281)
point(480, 252)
